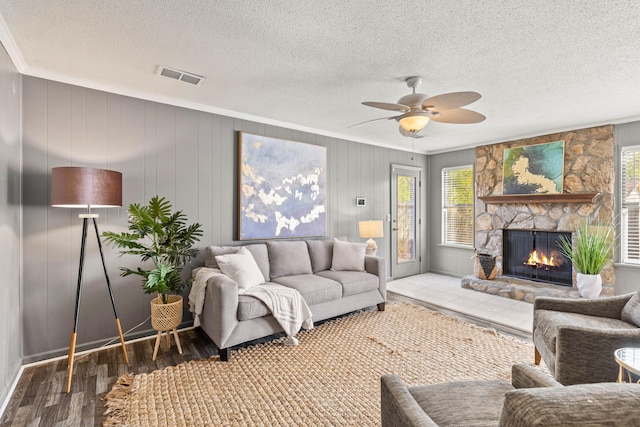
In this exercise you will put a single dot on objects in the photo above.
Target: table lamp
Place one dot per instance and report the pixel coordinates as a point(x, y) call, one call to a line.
point(370, 230)
point(86, 188)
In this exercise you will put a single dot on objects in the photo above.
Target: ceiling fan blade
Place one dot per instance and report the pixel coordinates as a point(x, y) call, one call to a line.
point(449, 101)
point(373, 120)
point(409, 134)
point(458, 116)
point(387, 106)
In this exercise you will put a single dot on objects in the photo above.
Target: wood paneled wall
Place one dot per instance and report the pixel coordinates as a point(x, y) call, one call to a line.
point(10, 94)
point(185, 155)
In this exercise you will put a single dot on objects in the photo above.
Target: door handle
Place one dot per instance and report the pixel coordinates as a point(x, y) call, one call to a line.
point(395, 229)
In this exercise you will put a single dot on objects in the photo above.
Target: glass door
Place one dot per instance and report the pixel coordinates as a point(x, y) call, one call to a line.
point(405, 222)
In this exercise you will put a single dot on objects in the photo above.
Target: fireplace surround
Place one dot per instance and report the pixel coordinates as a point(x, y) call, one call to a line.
point(588, 171)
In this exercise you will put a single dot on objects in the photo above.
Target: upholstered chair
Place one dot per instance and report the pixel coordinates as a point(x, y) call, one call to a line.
point(531, 399)
point(576, 338)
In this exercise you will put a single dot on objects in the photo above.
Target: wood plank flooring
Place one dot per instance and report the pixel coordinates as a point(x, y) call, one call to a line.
point(40, 399)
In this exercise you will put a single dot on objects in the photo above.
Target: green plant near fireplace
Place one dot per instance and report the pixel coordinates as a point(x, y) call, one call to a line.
point(157, 234)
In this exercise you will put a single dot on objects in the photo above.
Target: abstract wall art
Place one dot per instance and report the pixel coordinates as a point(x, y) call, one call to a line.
point(282, 188)
point(534, 169)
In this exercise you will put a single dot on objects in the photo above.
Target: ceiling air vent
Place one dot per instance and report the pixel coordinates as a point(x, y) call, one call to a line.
point(183, 76)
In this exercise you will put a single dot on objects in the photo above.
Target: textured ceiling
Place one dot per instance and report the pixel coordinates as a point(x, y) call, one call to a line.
point(541, 66)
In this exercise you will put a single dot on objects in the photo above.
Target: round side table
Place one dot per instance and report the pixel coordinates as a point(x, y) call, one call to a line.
point(629, 361)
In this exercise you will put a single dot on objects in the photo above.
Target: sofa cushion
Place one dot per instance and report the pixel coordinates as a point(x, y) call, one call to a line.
point(548, 322)
point(465, 403)
point(353, 282)
point(631, 310)
point(348, 256)
point(241, 267)
point(251, 308)
point(321, 254)
point(314, 289)
point(288, 258)
point(211, 252)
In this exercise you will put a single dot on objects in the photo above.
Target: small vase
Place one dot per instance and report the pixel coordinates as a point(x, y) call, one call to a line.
point(589, 285)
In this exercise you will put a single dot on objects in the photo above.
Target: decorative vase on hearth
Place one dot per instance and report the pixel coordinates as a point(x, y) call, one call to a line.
point(589, 285)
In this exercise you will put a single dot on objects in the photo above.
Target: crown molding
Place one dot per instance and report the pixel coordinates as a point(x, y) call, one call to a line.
point(10, 46)
point(147, 96)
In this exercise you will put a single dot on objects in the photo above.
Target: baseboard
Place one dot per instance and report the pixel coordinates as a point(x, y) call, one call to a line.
point(51, 355)
point(14, 384)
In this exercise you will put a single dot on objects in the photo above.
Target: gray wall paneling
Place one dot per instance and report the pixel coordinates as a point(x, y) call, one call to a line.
point(627, 275)
point(10, 228)
point(446, 259)
point(185, 155)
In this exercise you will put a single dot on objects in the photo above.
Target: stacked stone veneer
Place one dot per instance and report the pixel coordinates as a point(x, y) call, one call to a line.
point(588, 167)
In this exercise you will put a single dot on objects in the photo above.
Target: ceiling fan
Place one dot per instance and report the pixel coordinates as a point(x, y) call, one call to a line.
point(418, 108)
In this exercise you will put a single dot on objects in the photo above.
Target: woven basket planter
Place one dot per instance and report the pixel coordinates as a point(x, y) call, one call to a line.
point(168, 316)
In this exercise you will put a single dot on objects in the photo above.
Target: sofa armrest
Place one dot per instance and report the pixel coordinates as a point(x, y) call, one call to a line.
point(526, 376)
point(376, 265)
point(221, 303)
point(585, 355)
point(608, 404)
point(610, 307)
point(398, 408)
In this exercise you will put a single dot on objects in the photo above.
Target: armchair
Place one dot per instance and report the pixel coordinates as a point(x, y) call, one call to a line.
point(532, 399)
point(576, 338)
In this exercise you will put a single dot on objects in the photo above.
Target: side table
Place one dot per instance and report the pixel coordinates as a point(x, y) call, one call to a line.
point(629, 361)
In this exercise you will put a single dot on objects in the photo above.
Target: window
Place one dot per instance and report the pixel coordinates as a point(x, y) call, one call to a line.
point(457, 206)
point(630, 215)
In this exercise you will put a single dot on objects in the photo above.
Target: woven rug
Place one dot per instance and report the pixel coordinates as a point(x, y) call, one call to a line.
point(332, 378)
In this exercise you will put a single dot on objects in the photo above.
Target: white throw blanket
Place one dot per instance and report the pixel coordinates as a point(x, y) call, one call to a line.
point(198, 288)
point(286, 304)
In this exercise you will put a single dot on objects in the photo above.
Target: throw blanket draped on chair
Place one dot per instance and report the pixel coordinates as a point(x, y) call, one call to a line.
point(286, 304)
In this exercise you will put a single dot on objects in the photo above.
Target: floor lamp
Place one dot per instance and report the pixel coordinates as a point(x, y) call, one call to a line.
point(86, 188)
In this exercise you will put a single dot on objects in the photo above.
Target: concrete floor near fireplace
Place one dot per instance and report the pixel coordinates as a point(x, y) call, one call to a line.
point(444, 294)
point(518, 289)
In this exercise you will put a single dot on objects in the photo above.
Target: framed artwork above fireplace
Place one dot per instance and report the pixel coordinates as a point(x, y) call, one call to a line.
point(534, 169)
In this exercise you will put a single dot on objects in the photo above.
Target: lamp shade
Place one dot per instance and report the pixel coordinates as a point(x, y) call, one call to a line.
point(80, 187)
point(370, 229)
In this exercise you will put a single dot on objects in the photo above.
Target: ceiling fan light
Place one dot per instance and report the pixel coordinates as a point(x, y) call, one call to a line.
point(414, 123)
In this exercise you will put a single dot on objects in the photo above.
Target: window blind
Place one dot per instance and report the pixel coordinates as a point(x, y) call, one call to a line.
point(457, 205)
point(630, 214)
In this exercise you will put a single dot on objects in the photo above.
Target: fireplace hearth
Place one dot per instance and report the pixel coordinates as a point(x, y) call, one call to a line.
point(534, 255)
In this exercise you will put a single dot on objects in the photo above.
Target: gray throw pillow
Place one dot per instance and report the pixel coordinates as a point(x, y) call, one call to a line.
point(321, 254)
point(288, 258)
point(348, 256)
point(631, 310)
point(211, 252)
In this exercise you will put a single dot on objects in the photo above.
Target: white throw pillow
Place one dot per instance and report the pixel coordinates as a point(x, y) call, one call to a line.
point(242, 268)
point(348, 256)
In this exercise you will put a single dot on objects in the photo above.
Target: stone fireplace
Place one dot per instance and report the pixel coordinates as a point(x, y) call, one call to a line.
point(588, 189)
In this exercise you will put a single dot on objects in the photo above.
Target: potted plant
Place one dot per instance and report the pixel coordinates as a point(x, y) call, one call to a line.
point(157, 235)
point(589, 252)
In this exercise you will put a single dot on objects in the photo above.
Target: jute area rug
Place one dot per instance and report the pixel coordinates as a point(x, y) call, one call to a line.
point(332, 378)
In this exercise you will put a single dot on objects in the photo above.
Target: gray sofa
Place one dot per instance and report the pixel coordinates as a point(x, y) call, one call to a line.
point(576, 338)
point(532, 399)
point(230, 318)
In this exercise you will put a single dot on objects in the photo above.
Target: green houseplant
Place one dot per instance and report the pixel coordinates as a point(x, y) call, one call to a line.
point(589, 252)
point(163, 237)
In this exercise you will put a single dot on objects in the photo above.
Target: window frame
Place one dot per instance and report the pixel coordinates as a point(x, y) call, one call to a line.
point(624, 230)
point(444, 207)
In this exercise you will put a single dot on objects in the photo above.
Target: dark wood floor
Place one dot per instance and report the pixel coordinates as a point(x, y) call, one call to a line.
point(40, 399)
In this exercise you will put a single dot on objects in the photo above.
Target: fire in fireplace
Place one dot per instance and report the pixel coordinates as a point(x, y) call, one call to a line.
point(534, 254)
